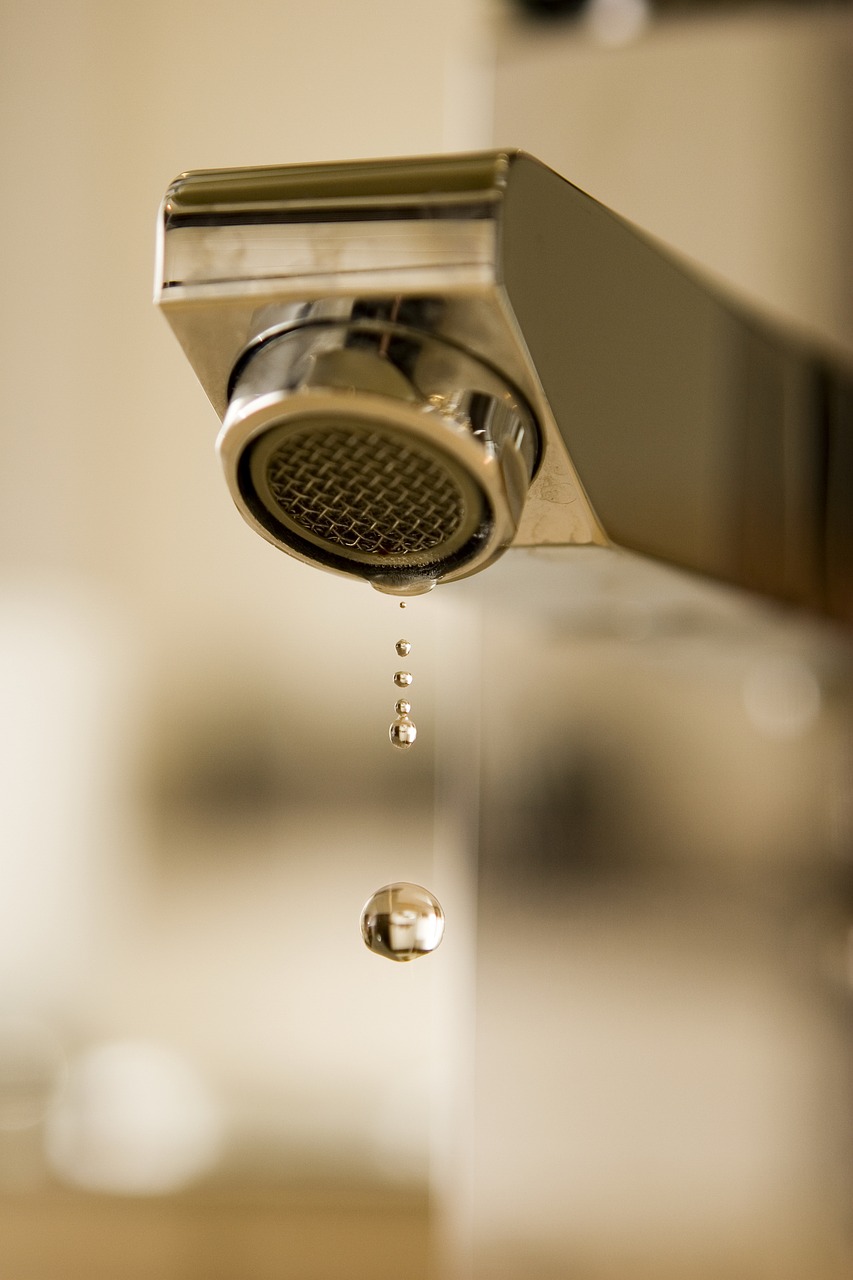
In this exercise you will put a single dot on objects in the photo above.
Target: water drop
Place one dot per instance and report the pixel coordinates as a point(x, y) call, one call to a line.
point(402, 707)
point(403, 648)
point(402, 604)
point(402, 732)
point(402, 921)
point(402, 679)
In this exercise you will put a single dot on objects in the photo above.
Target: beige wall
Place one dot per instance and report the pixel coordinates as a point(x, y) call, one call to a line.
point(177, 637)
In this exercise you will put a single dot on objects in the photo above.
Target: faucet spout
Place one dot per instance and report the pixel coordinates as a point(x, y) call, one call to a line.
point(420, 363)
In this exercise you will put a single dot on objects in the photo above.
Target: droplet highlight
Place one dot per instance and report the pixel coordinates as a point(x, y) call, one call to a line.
point(403, 648)
point(403, 732)
point(402, 922)
point(402, 679)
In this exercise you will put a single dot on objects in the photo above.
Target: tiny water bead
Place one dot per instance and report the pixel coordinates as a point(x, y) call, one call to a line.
point(403, 648)
point(402, 604)
point(402, 679)
point(402, 922)
point(402, 707)
point(402, 732)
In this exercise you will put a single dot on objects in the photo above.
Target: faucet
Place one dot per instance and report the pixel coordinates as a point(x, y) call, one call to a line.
point(419, 363)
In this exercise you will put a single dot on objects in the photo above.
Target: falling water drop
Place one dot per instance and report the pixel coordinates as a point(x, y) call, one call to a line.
point(402, 679)
point(402, 604)
point(403, 648)
point(402, 707)
point(402, 732)
point(402, 921)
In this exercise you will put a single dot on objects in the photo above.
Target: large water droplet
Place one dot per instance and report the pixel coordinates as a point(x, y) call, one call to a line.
point(402, 732)
point(402, 921)
point(402, 679)
point(403, 648)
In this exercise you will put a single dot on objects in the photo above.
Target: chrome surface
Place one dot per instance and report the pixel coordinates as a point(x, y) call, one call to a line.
point(671, 421)
point(374, 450)
point(408, 248)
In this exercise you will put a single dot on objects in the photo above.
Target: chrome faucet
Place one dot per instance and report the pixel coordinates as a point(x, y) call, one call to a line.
point(419, 363)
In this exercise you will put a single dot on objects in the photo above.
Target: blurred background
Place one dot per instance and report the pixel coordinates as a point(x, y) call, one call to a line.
point(632, 793)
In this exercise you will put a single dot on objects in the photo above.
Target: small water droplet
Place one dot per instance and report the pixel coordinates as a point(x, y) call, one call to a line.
point(402, 922)
point(402, 604)
point(402, 732)
point(402, 707)
point(402, 679)
point(403, 648)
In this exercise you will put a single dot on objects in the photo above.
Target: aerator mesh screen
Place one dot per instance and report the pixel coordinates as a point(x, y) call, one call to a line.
point(364, 490)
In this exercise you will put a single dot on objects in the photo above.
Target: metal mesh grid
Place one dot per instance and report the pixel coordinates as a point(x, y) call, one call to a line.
point(364, 490)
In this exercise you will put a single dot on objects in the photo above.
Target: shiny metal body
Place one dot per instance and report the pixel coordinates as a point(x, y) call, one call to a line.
point(370, 295)
point(619, 398)
point(428, 461)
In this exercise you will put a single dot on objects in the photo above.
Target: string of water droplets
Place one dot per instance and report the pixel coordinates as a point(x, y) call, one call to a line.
point(402, 921)
point(403, 730)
